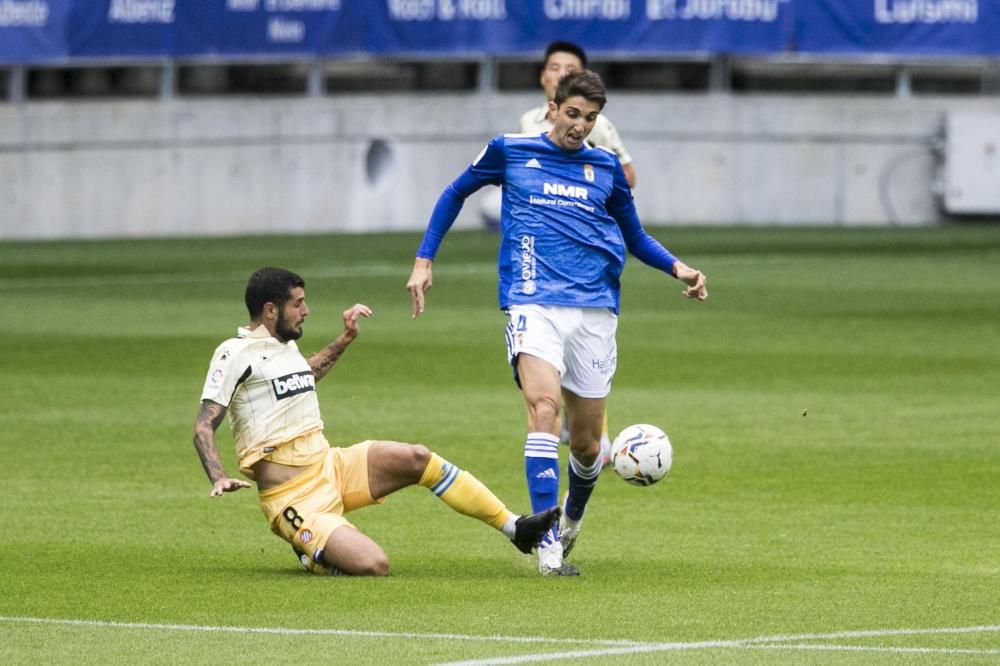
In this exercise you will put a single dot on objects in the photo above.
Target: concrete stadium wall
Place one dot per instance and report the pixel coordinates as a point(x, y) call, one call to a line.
point(377, 162)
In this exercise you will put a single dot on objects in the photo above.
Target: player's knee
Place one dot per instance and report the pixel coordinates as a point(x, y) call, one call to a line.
point(544, 411)
point(400, 461)
point(376, 564)
point(419, 458)
point(585, 445)
point(586, 451)
point(359, 559)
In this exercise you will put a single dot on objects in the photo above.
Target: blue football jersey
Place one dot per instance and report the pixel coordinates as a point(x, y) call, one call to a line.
point(566, 219)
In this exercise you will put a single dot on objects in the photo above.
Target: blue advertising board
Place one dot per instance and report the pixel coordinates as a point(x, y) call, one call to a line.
point(126, 28)
point(269, 27)
point(651, 26)
point(33, 30)
point(912, 27)
point(46, 30)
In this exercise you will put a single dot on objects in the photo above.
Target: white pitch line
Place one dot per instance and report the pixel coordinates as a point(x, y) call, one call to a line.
point(288, 631)
point(610, 647)
point(870, 648)
point(879, 633)
point(363, 270)
point(319, 273)
point(374, 269)
point(759, 641)
point(581, 654)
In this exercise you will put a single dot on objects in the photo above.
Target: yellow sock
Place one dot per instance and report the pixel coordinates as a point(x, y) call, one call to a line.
point(464, 493)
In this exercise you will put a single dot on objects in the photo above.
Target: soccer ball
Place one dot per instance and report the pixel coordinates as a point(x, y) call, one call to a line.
point(641, 454)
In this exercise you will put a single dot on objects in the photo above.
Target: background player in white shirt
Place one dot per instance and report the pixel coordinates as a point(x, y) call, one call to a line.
point(562, 58)
point(567, 218)
point(305, 486)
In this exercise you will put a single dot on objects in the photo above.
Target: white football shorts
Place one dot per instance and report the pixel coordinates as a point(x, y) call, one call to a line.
point(579, 342)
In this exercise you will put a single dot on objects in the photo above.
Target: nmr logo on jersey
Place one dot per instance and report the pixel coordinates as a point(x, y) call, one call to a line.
point(560, 190)
point(293, 384)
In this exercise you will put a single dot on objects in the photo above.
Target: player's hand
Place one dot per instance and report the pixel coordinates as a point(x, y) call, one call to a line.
point(694, 279)
point(420, 281)
point(227, 485)
point(351, 315)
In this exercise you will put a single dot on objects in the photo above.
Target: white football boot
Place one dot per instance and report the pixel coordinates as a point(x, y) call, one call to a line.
point(550, 555)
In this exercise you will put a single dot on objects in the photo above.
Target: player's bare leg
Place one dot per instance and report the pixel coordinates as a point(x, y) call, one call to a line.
point(540, 386)
point(585, 417)
point(350, 552)
point(586, 424)
point(605, 437)
point(393, 466)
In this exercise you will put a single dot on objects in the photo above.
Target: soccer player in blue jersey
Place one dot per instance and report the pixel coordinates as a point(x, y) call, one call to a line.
point(567, 218)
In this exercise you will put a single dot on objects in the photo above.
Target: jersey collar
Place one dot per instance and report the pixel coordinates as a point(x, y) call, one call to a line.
point(259, 333)
point(552, 144)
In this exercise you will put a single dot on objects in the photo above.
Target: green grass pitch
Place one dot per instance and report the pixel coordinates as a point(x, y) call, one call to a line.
point(835, 496)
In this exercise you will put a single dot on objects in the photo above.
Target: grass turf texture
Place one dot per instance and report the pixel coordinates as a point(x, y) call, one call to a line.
point(833, 407)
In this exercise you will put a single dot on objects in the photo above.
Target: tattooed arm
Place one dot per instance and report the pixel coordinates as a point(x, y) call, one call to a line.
point(321, 362)
point(209, 417)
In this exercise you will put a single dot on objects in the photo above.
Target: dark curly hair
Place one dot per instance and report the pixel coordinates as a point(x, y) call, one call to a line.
point(269, 285)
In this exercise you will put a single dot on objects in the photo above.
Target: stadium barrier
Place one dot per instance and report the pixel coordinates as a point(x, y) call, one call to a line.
point(363, 163)
point(176, 165)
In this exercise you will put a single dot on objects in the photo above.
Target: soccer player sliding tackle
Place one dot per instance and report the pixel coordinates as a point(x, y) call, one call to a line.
point(305, 486)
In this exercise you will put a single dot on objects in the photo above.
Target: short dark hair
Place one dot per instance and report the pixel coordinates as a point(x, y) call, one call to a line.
point(585, 84)
point(269, 285)
point(565, 47)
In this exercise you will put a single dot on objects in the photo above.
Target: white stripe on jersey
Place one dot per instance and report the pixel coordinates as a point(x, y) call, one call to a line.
point(522, 135)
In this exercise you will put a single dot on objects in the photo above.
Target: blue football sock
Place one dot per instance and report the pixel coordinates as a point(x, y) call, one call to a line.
point(541, 468)
point(582, 480)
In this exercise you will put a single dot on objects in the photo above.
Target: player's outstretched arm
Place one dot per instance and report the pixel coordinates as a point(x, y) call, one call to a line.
point(694, 279)
point(210, 415)
point(321, 362)
point(419, 283)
